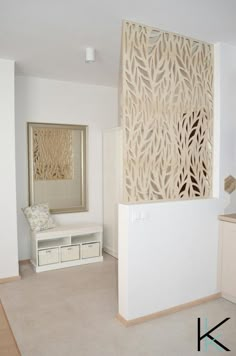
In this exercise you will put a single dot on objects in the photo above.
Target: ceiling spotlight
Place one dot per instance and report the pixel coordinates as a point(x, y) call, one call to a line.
point(90, 55)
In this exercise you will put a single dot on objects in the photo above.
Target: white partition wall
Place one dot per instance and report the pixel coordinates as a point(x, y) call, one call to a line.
point(168, 251)
point(112, 187)
point(8, 236)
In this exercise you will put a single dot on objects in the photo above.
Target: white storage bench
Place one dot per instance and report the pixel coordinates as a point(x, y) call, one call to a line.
point(66, 246)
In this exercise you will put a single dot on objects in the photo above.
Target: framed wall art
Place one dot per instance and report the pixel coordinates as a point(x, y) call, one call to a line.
point(57, 160)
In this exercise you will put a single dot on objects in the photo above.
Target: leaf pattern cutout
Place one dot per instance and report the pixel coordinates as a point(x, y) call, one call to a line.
point(166, 114)
point(52, 153)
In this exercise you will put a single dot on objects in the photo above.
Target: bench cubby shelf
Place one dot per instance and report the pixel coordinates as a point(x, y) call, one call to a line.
point(66, 246)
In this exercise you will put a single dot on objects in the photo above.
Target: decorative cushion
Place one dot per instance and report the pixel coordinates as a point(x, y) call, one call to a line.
point(38, 217)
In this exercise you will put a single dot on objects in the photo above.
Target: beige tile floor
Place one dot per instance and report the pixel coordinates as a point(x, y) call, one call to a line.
point(71, 312)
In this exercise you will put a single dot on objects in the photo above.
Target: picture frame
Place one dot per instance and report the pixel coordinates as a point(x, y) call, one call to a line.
point(57, 166)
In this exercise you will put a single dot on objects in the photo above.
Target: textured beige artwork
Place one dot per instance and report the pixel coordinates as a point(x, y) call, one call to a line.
point(52, 153)
point(167, 115)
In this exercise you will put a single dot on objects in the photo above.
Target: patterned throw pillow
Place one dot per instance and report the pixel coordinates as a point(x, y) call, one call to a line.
point(38, 217)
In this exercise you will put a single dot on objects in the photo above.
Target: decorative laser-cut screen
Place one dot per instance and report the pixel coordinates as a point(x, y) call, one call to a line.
point(52, 152)
point(167, 115)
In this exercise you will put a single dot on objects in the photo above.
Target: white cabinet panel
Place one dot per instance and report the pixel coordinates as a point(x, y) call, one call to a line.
point(49, 256)
point(90, 250)
point(69, 253)
point(228, 285)
point(112, 187)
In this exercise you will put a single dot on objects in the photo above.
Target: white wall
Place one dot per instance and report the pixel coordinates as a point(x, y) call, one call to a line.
point(8, 235)
point(112, 183)
point(43, 100)
point(227, 110)
point(168, 251)
point(171, 255)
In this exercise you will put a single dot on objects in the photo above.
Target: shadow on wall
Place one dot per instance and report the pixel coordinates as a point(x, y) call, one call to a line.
point(231, 206)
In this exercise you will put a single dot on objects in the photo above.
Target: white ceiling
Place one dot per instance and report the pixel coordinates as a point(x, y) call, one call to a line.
point(47, 38)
